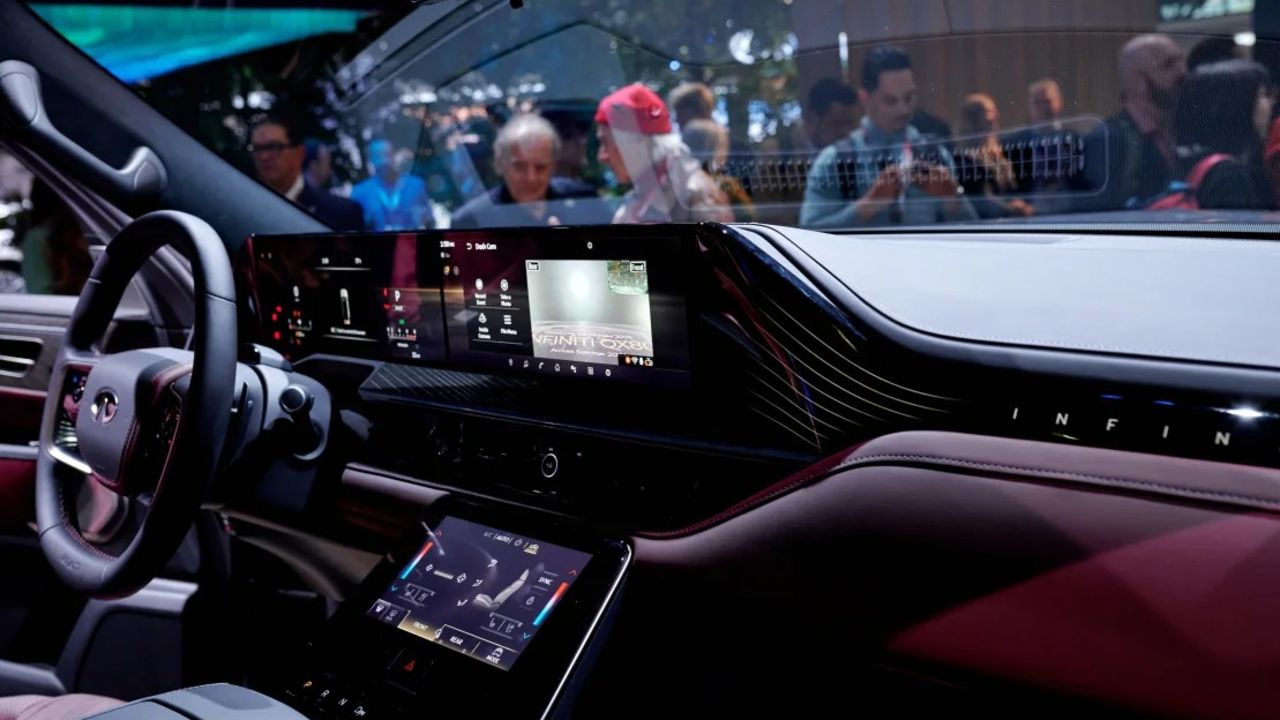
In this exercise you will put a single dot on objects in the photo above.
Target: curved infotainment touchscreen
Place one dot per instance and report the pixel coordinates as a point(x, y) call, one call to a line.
point(480, 591)
point(572, 302)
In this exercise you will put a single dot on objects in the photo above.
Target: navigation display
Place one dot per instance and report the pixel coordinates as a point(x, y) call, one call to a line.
point(479, 591)
point(585, 303)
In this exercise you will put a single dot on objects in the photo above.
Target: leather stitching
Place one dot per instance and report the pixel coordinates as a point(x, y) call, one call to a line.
point(1051, 472)
point(850, 459)
point(822, 470)
point(126, 455)
point(70, 527)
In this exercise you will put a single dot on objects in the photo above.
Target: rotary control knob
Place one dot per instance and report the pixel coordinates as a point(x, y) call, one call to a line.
point(295, 400)
point(549, 465)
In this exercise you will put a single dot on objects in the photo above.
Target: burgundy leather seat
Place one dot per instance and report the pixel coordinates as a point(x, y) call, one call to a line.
point(64, 707)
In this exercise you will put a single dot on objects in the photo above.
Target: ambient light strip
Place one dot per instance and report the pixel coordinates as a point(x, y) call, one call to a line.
point(421, 554)
point(550, 604)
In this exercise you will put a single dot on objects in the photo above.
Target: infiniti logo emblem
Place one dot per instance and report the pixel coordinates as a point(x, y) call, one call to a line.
point(104, 407)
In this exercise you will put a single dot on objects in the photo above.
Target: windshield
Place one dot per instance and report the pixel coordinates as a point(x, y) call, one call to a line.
point(831, 114)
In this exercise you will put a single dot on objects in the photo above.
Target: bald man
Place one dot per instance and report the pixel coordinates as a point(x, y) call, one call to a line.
point(1139, 140)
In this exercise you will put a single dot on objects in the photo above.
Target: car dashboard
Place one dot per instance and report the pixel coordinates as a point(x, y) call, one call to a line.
point(980, 445)
point(650, 377)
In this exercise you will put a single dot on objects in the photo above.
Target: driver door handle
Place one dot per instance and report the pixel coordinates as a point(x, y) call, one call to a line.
point(22, 104)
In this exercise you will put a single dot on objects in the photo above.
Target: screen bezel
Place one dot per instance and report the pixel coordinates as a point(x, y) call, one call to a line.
point(436, 614)
point(547, 661)
point(683, 236)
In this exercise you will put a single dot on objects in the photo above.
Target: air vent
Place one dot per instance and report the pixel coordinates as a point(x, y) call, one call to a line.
point(18, 355)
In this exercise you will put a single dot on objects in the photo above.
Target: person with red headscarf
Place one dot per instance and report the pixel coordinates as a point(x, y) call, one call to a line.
point(667, 183)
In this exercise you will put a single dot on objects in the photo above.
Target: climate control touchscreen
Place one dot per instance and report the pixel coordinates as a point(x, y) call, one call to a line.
point(479, 591)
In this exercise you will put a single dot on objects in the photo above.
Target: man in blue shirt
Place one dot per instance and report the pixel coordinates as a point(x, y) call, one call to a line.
point(885, 172)
point(392, 200)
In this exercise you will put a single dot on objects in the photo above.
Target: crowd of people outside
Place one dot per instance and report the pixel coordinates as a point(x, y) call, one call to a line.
point(1195, 130)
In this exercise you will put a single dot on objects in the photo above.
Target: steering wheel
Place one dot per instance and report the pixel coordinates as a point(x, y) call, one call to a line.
point(148, 424)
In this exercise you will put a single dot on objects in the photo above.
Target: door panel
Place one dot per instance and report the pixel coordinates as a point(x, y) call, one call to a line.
point(35, 324)
point(20, 419)
point(26, 321)
point(32, 603)
point(31, 328)
point(17, 500)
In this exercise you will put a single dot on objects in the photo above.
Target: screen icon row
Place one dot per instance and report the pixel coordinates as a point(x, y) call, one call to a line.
point(561, 368)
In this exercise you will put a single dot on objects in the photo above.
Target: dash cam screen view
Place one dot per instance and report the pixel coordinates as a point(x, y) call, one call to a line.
point(590, 311)
point(566, 310)
point(479, 591)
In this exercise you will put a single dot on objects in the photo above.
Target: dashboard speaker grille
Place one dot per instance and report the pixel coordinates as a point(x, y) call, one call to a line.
point(447, 386)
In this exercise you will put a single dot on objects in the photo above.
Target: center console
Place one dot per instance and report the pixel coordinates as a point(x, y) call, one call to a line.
point(479, 610)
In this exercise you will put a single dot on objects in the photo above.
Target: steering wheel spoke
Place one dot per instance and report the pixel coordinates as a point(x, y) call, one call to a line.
point(70, 372)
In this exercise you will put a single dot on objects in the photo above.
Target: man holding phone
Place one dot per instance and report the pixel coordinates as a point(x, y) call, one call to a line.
point(885, 172)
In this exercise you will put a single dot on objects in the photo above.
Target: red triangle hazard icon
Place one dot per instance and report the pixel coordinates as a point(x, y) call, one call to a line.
point(408, 667)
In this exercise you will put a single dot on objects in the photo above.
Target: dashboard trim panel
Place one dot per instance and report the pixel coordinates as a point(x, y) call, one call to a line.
point(789, 369)
point(1094, 365)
